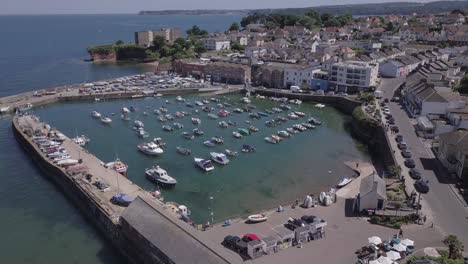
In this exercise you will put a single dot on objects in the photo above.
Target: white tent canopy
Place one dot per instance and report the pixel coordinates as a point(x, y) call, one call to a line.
point(374, 262)
point(407, 242)
point(385, 260)
point(393, 255)
point(374, 240)
point(399, 247)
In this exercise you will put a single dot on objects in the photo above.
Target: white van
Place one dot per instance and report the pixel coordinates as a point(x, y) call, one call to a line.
point(295, 89)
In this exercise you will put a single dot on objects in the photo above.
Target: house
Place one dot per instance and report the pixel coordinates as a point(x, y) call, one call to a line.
point(194, 68)
point(217, 43)
point(372, 193)
point(456, 18)
point(296, 30)
point(393, 69)
point(353, 76)
point(413, 33)
point(269, 74)
point(452, 152)
point(298, 75)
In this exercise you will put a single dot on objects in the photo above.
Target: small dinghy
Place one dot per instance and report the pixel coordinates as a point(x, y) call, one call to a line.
point(184, 151)
point(231, 153)
point(256, 218)
point(345, 181)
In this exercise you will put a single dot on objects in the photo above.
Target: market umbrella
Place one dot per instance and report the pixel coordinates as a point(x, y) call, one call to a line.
point(407, 242)
point(374, 240)
point(399, 247)
point(374, 262)
point(385, 260)
point(393, 255)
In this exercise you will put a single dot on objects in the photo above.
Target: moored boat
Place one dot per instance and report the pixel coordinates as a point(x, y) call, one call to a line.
point(157, 175)
point(150, 148)
point(248, 148)
point(219, 158)
point(344, 181)
point(188, 135)
point(243, 131)
point(204, 164)
point(271, 140)
point(184, 151)
point(236, 134)
point(95, 114)
point(256, 218)
point(106, 120)
point(231, 153)
point(196, 121)
point(118, 166)
point(167, 128)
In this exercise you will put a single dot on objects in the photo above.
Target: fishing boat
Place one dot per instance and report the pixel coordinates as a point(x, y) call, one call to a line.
point(180, 99)
point(160, 142)
point(243, 131)
point(236, 134)
point(209, 143)
point(95, 114)
point(344, 181)
point(118, 166)
point(301, 114)
point(271, 140)
point(219, 158)
point(161, 118)
point(179, 114)
point(189, 104)
point(238, 110)
point(217, 140)
point(253, 129)
point(212, 116)
point(184, 151)
point(256, 218)
point(81, 140)
point(231, 153)
point(204, 164)
point(106, 120)
point(159, 176)
point(247, 148)
point(150, 148)
point(188, 135)
point(197, 132)
point(223, 124)
point(167, 128)
point(196, 121)
point(283, 133)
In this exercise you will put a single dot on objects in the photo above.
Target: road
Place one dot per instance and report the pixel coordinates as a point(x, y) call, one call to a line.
point(449, 214)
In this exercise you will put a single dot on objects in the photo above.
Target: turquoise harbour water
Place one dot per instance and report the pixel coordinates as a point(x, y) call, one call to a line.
point(309, 162)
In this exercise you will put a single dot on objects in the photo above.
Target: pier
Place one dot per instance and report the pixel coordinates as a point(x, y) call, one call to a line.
point(147, 231)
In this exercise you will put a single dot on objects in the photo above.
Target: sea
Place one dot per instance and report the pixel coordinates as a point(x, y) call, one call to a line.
point(39, 225)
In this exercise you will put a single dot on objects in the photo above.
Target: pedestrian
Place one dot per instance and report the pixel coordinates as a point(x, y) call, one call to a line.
point(432, 224)
point(424, 219)
point(357, 165)
point(401, 233)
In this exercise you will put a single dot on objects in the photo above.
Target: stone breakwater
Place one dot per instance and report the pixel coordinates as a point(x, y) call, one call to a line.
point(147, 231)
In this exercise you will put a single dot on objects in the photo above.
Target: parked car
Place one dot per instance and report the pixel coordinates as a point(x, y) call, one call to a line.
point(402, 145)
point(410, 163)
point(231, 242)
point(421, 186)
point(292, 223)
point(388, 116)
point(415, 174)
point(395, 99)
point(399, 138)
point(406, 153)
point(395, 129)
point(386, 100)
point(391, 121)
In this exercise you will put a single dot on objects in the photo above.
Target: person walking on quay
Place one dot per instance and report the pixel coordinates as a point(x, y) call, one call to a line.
point(401, 233)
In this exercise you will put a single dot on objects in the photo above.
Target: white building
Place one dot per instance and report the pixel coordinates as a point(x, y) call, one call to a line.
point(372, 193)
point(353, 76)
point(298, 75)
point(391, 40)
point(393, 68)
point(217, 44)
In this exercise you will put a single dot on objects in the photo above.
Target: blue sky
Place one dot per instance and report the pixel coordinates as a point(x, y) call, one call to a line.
point(133, 6)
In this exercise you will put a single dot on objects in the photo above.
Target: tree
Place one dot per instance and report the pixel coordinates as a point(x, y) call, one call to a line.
point(454, 245)
point(390, 27)
point(196, 31)
point(463, 86)
point(234, 27)
point(119, 42)
point(199, 48)
point(235, 45)
point(158, 43)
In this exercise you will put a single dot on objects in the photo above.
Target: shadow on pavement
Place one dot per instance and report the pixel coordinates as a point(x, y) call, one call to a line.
point(349, 207)
point(440, 172)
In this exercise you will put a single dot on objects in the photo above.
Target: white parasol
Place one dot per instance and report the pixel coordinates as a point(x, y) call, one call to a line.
point(393, 255)
point(374, 240)
point(407, 242)
point(385, 260)
point(399, 247)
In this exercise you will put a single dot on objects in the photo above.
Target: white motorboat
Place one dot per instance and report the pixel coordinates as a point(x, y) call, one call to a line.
point(125, 110)
point(271, 140)
point(118, 166)
point(301, 114)
point(106, 120)
point(345, 181)
point(142, 133)
point(95, 114)
point(138, 123)
point(180, 99)
point(320, 106)
point(125, 117)
point(159, 176)
point(293, 116)
point(283, 133)
point(223, 124)
point(219, 158)
point(150, 148)
point(204, 164)
point(236, 134)
point(245, 100)
point(231, 153)
point(256, 218)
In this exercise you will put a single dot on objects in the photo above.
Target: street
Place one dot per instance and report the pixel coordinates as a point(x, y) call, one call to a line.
point(448, 212)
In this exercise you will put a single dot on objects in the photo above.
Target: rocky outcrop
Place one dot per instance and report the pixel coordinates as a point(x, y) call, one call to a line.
point(103, 56)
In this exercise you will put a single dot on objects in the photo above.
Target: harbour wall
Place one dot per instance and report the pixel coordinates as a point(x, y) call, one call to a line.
point(70, 186)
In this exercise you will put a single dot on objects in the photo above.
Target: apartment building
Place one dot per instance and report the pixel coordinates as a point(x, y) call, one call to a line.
point(225, 72)
point(298, 75)
point(217, 44)
point(145, 38)
point(353, 76)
